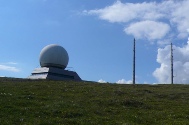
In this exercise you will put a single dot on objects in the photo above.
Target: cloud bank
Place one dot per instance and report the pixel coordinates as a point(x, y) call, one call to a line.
point(181, 64)
point(148, 29)
point(146, 20)
point(102, 81)
point(123, 81)
point(9, 68)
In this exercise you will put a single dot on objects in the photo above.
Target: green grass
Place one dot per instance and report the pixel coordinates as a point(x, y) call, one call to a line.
point(86, 103)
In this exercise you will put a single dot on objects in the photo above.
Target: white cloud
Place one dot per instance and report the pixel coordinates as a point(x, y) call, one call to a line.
point(9, 68)
point(125, 12)
point(123, 81)
point(141, 18)
point(12, 63)
point(148, 29)
point(181, 64)
point(180, 17)
point(101, 81)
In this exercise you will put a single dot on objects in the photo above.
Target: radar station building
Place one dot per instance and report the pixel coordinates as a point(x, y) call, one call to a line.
point(53, 61)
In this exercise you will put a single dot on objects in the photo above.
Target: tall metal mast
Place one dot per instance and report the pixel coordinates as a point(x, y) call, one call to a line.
point(134, 62)
point(172, 63)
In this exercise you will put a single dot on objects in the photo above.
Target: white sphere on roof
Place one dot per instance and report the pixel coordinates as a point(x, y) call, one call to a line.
point(54, 56)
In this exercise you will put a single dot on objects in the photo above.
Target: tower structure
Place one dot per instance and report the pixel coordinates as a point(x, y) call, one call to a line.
point(134, 61)
point(172, 63)
point(53, 61)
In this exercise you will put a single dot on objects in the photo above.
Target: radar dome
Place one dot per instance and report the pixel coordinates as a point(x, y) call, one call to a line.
point(54, 56)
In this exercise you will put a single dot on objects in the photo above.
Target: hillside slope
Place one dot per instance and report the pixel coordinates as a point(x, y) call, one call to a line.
point(87, 103)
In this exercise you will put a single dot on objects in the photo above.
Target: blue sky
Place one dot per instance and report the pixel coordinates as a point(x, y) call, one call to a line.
point(98, 36)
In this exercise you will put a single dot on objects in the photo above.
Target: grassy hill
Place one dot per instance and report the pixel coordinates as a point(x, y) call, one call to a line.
point(66, 102)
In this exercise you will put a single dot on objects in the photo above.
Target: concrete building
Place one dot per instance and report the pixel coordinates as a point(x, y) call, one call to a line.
point(53, 60)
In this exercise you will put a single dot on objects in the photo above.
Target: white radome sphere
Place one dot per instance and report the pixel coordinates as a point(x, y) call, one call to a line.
point(54, 56)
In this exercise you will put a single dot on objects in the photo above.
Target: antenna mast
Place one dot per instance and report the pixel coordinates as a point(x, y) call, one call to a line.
point(134, 62)
point(172, 63)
